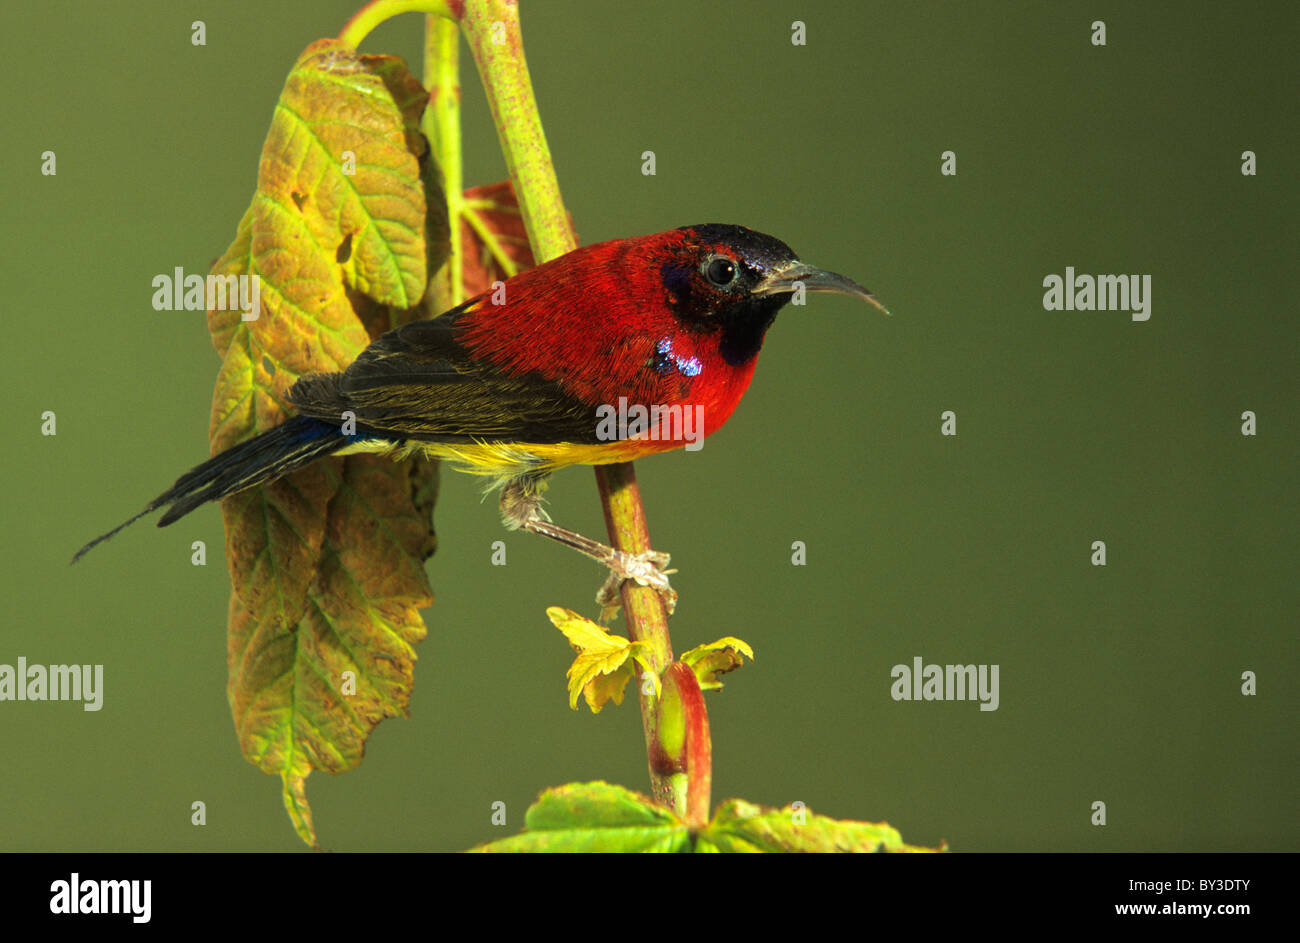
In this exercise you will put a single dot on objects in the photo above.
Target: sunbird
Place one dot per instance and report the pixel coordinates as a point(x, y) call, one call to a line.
point(609, 353)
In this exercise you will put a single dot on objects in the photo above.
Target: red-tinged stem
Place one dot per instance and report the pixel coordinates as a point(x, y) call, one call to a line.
point(625, 520)
point(699, 747)
point(681, 754)
point(647, 619)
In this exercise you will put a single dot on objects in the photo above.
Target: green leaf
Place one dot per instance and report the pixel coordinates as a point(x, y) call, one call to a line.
point(740, 826)
point(326, 563)
point(596, 817)
point(601, 817)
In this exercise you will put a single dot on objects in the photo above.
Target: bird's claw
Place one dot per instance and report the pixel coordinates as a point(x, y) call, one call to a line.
point(645, 569)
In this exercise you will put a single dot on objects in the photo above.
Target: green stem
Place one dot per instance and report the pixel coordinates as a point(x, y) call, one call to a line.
point(492, 28)
point(489, 239)
point(442, 127)
point(375, 12)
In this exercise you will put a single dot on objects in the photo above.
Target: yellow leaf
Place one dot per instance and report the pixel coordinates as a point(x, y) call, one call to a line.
point(582, 633)
point(717, 658)
point(605, 662)
point(604, 688)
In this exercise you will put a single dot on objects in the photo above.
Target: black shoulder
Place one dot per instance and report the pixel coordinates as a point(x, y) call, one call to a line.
point(417, 382)
point(418, 352)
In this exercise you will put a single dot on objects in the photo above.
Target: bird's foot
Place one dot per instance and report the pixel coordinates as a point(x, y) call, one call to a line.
point(645, 569)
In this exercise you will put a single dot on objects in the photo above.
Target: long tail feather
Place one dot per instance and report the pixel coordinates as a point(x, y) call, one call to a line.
point(289, 446)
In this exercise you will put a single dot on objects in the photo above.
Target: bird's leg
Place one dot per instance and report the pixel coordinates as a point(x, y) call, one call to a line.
point(521, 508)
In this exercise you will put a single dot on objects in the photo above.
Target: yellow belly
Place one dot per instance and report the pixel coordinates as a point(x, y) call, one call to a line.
point(505, 460)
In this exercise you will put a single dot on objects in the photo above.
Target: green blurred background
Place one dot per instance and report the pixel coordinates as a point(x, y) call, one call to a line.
point(1118, 684)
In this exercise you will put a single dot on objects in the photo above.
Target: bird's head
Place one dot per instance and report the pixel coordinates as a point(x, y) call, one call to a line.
point(732, 280)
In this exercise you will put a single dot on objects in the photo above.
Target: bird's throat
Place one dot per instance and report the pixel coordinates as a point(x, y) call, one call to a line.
point(744, 329)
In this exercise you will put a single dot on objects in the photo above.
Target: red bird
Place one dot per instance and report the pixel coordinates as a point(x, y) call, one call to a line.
point(606, 354)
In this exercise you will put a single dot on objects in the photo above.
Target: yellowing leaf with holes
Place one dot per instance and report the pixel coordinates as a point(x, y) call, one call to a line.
point(717, 658)
point(605, 662)
point(327, 563)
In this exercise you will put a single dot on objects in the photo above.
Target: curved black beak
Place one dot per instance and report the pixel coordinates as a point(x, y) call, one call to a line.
point(787, 279)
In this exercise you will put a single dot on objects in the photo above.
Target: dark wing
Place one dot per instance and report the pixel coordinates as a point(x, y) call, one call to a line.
point(418, 382)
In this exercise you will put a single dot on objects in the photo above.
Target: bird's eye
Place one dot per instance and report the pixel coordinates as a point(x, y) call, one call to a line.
point(721, 271)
